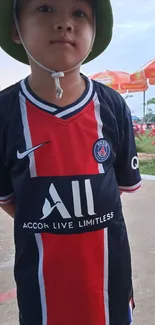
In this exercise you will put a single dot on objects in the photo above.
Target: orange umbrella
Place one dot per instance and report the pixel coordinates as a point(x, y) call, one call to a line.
point(136, 87)
point(120, 81)
point(152, 81)
point(113, 79)
point(147, 71)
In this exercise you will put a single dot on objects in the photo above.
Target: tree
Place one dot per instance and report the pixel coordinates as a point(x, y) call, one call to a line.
point(151, 102)
point(150, 117)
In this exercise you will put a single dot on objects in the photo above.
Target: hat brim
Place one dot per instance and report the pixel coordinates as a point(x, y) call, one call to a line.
point(104, 28)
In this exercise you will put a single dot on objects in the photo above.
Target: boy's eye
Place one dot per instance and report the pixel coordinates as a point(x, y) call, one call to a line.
point(80, 14)
point(45, 9)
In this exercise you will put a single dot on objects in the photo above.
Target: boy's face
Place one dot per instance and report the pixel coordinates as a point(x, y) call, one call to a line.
point(57, 33)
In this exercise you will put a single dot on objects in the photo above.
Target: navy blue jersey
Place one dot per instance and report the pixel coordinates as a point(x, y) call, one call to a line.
point(66, 167)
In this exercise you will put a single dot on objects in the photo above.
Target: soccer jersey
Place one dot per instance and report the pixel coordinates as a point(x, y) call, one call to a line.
point(66, 167)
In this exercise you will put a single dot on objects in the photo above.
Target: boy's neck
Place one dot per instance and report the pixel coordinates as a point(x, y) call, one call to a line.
point(42, 84)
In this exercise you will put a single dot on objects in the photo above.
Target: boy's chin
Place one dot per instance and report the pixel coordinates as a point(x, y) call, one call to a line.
point(62, 65)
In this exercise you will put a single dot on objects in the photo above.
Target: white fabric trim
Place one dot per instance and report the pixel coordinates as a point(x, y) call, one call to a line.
point(7, 201)
point(105, 231)
point(27, 134)
point(34, 100)
point(106, 278)
point(99, 126)
point(6, 197)
point(41, 279)
point(130, 188)
point(51, 109)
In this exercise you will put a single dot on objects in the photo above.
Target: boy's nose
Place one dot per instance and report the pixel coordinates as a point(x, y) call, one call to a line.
point(64, 26)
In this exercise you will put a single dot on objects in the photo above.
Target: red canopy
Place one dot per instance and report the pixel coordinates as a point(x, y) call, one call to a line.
point(147, 71)
point(120, 81)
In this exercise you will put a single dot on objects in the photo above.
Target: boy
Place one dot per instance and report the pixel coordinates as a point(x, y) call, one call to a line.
point(66, 150)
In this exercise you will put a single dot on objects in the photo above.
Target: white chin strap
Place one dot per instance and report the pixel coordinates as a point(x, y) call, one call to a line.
point(55, 75)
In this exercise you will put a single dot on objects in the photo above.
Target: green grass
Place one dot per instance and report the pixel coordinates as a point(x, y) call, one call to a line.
point(145, 144)
point(147, 167)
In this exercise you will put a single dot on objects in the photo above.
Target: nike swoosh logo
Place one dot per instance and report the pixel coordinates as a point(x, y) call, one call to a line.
point(21, 155)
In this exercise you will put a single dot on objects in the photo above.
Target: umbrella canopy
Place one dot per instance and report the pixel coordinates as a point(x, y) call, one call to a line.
point(147, 71)
point(152, 81)
point(137, 87)
point(120, 81)
point(113, 79)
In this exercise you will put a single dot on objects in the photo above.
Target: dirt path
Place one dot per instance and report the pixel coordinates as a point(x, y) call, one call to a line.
point(146, 156)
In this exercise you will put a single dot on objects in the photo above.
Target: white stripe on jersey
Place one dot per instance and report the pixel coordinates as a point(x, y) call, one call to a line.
point(105, 231)
point(99, 126)
point(41, 279)
point(27, 134)
point(7, 199)
point(130, 188)
point(34, 100)
point(106, 272)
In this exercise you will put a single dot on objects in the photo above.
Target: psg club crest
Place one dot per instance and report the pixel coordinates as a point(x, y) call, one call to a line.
point(101, 150)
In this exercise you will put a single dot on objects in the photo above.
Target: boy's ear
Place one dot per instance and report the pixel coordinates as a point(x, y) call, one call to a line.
point(14, 34)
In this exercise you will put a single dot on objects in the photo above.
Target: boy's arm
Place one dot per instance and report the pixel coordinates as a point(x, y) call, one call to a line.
point(127, 165)
point(7, 196)
point(9, 208)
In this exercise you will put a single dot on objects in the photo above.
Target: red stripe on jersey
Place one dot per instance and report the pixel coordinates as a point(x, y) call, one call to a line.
point(131, 190)
point(73, 278)
point(7, 200)
point(73, 266)
point(71, 142)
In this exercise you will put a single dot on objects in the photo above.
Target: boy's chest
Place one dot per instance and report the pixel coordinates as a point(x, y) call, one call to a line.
point(48, 146)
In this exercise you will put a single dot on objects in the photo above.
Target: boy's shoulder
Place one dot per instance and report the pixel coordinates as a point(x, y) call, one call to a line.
point(8, 97)
point(113, 106)
point(112, 98)
point(8, 93)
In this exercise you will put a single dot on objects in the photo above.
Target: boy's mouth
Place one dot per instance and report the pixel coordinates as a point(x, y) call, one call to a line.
point(63, 41)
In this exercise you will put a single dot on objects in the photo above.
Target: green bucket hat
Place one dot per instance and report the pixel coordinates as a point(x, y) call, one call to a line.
point(104, 27)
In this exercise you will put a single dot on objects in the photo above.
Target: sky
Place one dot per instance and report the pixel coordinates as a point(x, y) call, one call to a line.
point(132, 46)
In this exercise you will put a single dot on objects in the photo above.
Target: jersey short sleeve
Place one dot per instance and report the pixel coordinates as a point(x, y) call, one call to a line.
point(127, 163)
point(6, 189)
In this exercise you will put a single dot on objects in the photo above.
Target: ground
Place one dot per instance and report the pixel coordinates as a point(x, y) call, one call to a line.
point(139, 213)
point(146, 156)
